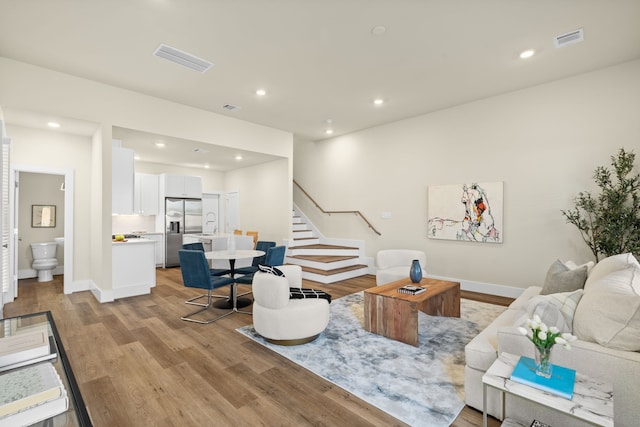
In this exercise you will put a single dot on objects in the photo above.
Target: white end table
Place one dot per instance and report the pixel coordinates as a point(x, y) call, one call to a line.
point(592, 400)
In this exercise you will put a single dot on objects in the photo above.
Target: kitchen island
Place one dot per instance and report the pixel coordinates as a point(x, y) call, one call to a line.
point(133, 267)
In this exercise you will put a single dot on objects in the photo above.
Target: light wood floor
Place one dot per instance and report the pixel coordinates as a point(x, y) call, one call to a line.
point(138, 364)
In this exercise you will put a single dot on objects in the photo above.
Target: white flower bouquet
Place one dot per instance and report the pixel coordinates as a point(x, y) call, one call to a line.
point(544, 338)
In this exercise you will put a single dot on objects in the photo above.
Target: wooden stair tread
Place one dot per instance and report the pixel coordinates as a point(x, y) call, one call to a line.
point(324, 258)
point(334, 271)
point(321, 246)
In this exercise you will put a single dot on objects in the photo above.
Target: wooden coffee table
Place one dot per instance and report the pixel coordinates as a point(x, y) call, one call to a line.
point(394, 315)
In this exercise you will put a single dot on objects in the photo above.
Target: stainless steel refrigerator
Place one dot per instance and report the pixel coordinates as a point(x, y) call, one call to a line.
point(182, 216)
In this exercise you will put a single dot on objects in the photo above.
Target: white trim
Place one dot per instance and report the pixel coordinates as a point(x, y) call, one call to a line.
point(100, 295)
point(485, 288)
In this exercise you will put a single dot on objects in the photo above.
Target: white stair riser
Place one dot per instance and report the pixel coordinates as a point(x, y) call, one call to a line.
point(325, 266)
point(303, 234)
point(305, 242)
point(334, 277)
point(322, 252)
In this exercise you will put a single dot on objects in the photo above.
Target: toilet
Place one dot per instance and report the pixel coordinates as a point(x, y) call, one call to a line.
point(44, 260)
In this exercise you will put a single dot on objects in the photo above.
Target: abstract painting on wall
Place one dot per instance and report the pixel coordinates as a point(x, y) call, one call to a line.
point(469, 212)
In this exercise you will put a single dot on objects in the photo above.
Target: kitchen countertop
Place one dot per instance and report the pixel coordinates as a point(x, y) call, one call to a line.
point(133, 241)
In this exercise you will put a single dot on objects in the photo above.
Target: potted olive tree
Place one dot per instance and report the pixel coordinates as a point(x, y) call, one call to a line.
point(609, 222)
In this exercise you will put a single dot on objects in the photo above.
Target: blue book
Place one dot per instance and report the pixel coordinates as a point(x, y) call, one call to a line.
point(561, 382)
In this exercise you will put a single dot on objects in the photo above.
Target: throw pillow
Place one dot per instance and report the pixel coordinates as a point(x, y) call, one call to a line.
point(270, 270)
point(609, 312)
point(609, 265)
point(572, 266)
point(561, 278)
point(556, 309)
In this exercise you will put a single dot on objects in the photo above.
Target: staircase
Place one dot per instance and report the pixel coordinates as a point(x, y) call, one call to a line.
point(321, 261)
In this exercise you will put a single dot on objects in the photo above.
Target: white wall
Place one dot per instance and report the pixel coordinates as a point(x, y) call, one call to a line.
point(543, 143)
point(29, 88)
point(264, 191)
point(59, 150)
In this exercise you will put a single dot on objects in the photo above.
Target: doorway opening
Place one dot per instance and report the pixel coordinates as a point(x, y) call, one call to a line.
point(22, 217)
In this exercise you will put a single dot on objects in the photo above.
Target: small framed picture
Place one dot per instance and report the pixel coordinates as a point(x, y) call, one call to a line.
point(43, 216)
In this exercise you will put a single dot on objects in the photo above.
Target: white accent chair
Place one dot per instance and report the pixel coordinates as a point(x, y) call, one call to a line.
point(394, 264)
point(282, 320)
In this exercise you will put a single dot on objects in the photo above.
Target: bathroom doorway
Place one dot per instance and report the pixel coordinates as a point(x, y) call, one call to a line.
point(28, 194)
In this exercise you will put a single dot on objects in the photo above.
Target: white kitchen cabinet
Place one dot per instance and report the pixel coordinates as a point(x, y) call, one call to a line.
point(133, 268)
point(182, 186)
point(158, 238)
point(146, 194)
point(122, 180)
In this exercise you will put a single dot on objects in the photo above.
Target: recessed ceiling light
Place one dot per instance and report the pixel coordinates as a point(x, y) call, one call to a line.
point(206, 166)
point(527, 54)
point(378, 101)
point(238, 157)
point(261, 92)
point(159, 144)
point(136, 157)
point(53, 125)
point(329, 131)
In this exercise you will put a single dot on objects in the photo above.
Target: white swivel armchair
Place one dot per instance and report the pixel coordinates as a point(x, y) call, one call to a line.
point(282, 320)
point(394, 264)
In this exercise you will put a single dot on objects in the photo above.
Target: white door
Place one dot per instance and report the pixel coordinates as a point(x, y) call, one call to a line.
point(233, 211)
point(13, 231)
point(210, 213)
point(5, 279)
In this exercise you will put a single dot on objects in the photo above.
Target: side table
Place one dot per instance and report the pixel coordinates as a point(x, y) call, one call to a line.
point(592, 400)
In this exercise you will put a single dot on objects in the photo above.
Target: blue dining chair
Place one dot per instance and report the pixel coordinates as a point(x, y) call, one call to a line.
point(274, 256)
point(260, 246)
point(198, 246)
point(195, 274)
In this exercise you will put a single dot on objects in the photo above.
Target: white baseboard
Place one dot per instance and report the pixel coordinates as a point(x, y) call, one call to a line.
point(30, 273)
point(100, 295)
point(485, 288)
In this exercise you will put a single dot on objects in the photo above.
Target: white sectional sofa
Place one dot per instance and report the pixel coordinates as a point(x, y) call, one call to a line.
point(606, 320)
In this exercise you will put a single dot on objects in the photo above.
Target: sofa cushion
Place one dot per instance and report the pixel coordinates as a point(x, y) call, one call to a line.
point(482, 351)
point(609, 312)
point(561, 278)
point(554, 310)
point(609, 265)
point(522, 301)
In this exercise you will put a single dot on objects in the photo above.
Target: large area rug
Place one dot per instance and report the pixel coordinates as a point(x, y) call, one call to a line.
point(422, 386)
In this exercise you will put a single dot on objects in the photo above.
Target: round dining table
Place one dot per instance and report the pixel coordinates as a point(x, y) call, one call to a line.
point(232, 256)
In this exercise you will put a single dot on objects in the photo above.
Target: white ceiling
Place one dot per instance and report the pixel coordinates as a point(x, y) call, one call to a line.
point(320, 60)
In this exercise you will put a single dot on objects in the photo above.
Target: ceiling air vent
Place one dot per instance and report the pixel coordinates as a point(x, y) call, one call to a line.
point(230, 107)
point(576, 36)
point(182, 58)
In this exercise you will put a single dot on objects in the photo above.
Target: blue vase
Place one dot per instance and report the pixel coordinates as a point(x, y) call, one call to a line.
point(415, 272)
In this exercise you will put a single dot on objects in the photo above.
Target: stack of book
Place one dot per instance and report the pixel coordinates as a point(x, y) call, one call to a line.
point(411, 290)
point(30, 388)
point(560, 383)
